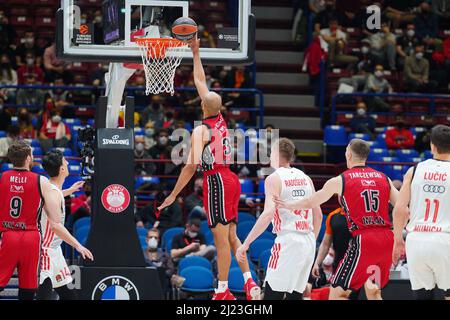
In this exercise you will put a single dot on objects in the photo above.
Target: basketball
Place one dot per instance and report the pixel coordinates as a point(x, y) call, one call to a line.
point(184, 29)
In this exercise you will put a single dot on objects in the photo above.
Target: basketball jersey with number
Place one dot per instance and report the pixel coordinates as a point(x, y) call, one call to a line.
point(21, 200)
point(51, 240)
point(295, 185)
point(430, 197)
point(217, 152)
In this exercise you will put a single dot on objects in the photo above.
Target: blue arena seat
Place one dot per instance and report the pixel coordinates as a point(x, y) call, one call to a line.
point(244, 228)
point(244, 216)
point(396, 172)
point(236, 280)
point(377, 153)
point(209, 238)
point(6, 167)
point(204, 227)
point(81, 234)
point(37, 151)
point(235, 264)
point(2, 134)
point(143, 241)
point(67, 152)
point(428, 155)
point(141, 231)
point(38, 169)
point(166, 241)
point(82, 222)
point(381, 140)
point(261, 189)
point(258, 246)
point(70, 180)
point(194, 261)
point(140, 180)
point(267, 235)
point(335, 136)
point(362, 136)
point(405, 154)
point(75, 169)
point(264, 258)
point(246, 186)
point(198, 279)
point(72, 122)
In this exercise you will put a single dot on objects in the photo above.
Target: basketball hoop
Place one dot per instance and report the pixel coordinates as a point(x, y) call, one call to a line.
point(160, 58)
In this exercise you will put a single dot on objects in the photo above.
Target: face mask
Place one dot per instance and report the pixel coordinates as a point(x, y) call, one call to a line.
point(328, 261)
point(149, 133)
point(378, 73)
point(29, 41)
point(410, 33)
point(192, 234)
point(98, 19)
point(419, 55)
point(163, 140)
point(152, 243)
point(140, 147)
point(360, 112)
point(56, 119)
point(365, 50)
point(30, 62)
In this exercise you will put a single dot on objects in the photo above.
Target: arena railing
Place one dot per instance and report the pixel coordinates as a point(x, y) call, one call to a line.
point(256, 111)
point(432, 102)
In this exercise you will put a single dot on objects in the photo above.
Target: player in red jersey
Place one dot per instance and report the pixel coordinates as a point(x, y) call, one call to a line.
point(364, 194)
point(23, 196)
point(211, 150)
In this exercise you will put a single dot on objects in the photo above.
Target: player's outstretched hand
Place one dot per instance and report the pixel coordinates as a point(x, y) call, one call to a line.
point(315, 271)
point(167, 202)
point(76, 186)
point(282, 204)
point(85, 253)
point(241, 253)
point(194, 44)
point(399, 250)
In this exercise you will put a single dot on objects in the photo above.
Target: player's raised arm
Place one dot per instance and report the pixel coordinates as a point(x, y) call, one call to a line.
point(198, 141)
point(331, 187)
point(272, 187)
point(199, 72)
point(400, 216)
point(52, 206)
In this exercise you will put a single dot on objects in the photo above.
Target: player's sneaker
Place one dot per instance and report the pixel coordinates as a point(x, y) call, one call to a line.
point(226, 295)
point(252, 290)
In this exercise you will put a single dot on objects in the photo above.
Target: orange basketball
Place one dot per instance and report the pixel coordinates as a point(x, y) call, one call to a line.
point(184, 29)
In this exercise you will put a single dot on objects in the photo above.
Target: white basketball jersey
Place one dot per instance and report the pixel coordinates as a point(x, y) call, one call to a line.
point(430, 197)
point(50, 239)
point(295, 185)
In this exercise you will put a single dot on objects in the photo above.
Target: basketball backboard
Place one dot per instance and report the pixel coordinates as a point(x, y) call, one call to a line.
point(226, 28)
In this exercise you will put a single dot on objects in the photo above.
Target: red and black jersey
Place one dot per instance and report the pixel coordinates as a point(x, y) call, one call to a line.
point(217, 152)
point(21, 200)
point(365, 199)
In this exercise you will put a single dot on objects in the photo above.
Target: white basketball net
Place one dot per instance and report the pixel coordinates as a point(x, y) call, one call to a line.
point(161, 58)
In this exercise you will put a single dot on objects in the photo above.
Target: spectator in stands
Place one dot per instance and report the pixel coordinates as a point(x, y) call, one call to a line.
point(399, 137)
point(337, 41)
point(29, 46)
point(383, 46)
point(98, 75)
point(12, 135)
point(7, 35)
point(149, 137)
point(8, 77)
point(81, 97)
point(54, 133)
point(316, 6)
point(442, 9)
point(169, 121)
point(400, 11)
point(161, 151)
point(406, 44)
point(323, 18)
point(427, 28)
point(62, 98)
point(363, 122)
point(416, 72)
point(80, 206)
point(422, 142)
point(5, 116)
point(54, 67)
point(376, 83)
point(153, 113)
point(191, 243)
point(170, 217)
point(142, 168)
point(31, 97)
point(193, 203)
point(27, 130)
point(239, 78)
point(30, 67)
point(207, 40)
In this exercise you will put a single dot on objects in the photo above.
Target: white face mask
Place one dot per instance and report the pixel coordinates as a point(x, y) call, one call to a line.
point(378, 73)
point(140, 147)
point(328, 261)
point(30, 62)
point(152, 243)
point(365, 50)
point(410, 33)
point(149, 132)
point(29, 41)
point(360, 112)
point(163, 140)
point(192, 234)
point(56, 119)
point(419, 55)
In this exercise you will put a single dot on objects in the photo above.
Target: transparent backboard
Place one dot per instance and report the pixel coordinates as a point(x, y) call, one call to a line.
point(105, 30)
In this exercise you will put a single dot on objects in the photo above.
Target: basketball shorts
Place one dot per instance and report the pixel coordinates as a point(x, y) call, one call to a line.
point(291, 262)
point(428, 257)
point(21, 250)
point(221, 192)
point(369, 256)
point(54, 266)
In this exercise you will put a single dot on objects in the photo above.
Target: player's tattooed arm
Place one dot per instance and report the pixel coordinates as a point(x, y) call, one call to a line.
point(331, 187)
point(400, 216)
point(198, 141)
point(272, 187)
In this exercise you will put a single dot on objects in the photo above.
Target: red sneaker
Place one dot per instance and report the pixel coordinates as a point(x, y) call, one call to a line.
point(252, 290)
point(227, 295)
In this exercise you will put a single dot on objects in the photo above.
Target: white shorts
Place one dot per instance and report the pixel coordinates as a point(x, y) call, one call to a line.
point(428, 256)
point(54, 266)
point(291, 262)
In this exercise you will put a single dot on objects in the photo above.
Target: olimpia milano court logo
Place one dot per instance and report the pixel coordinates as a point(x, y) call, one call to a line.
point(115, 288)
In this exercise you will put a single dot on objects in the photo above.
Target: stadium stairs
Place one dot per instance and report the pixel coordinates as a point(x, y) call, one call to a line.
point(289, 103)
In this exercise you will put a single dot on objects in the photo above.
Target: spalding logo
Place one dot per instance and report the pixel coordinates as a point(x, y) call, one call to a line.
point(115, 288)
point(115, 198)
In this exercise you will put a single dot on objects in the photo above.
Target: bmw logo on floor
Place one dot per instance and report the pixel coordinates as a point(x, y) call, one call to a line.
point(115, 288)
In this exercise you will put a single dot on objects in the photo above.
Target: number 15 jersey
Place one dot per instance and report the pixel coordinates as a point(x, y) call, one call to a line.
point(430, 197)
